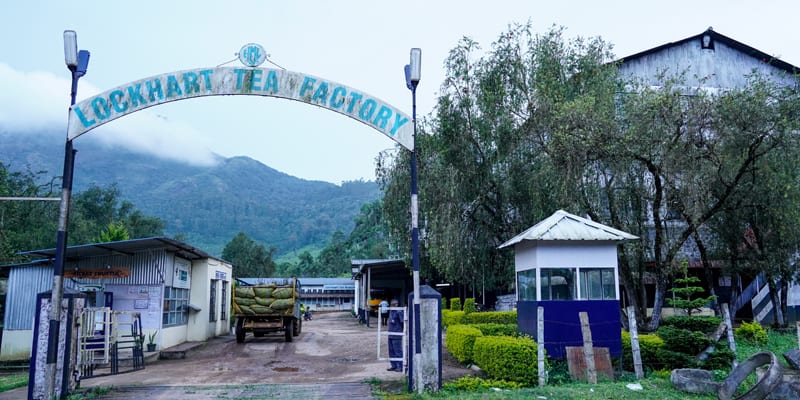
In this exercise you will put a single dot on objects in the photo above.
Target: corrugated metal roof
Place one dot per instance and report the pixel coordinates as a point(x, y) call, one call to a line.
point(127, 247)
point(565, 226)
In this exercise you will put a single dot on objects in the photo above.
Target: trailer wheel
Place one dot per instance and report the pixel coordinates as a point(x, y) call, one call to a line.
point(239, 330)
point(298, 327)
point(289, 328)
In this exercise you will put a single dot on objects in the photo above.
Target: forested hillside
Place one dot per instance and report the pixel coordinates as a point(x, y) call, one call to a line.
point(207, 206)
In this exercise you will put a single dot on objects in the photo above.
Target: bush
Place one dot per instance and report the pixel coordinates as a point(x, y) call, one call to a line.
point(752, 332)
point(459, 341)
point(450, 318)
point(720, 359)
point(669, 359)
point(504, 357)
point(701, 324)
point(455, 304)
point(497, 329)
point(649, 347)
point(491, 317)
point(469, 306)
point(683, 340)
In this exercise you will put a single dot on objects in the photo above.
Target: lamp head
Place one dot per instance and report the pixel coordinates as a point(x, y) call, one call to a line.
point(415, 65)
point(71, 49)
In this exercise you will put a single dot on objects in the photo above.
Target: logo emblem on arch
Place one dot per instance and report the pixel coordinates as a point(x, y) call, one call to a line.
point(252, 55)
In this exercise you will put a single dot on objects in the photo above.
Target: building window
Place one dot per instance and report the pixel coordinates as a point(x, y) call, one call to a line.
point(597, 284)
point(558, 283)
point(223, 304)
point(176, 303)
point(212, 302)
point(526, 281)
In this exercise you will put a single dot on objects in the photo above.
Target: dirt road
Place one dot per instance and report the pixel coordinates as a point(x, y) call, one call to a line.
point(333, 350)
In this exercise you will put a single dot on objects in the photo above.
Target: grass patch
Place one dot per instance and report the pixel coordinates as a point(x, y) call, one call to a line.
point(13, 381)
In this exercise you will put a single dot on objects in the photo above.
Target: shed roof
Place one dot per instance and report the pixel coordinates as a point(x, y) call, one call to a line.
point(126, 247)
point(565, 226)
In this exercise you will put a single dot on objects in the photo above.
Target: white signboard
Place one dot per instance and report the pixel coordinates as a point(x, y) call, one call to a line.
point(134, 96)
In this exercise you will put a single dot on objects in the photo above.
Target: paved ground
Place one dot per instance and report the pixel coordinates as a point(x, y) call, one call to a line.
point(331, 359)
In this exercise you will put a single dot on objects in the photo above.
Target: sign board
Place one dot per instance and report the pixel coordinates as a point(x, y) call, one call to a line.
point(138, 95)
point(183, 275)
point(98, 273)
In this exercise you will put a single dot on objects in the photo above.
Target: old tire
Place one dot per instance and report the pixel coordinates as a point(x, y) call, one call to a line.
point(768, 382)
point(298, 327)
point(692, 380)
point(289, 329)
point(239, 330)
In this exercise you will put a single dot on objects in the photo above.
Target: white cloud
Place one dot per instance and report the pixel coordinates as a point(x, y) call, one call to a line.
point(34, 102)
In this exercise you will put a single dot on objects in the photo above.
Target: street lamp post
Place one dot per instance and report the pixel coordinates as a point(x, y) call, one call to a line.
point(412, 72)
point(77, 62)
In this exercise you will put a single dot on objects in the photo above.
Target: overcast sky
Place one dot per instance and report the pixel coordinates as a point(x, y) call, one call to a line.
point(361, 44)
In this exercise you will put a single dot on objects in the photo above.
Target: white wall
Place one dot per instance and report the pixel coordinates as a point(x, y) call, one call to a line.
point(562, 254)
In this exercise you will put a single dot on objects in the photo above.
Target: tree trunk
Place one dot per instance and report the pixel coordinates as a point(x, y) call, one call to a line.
point(708, 273)
point(658, 303)
point(776, 302)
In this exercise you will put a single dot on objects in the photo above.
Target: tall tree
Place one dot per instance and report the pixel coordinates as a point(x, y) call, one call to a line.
point(249, 259)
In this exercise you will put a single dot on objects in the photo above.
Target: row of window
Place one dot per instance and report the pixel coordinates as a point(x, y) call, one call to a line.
point(176, 304)
point(566, 283)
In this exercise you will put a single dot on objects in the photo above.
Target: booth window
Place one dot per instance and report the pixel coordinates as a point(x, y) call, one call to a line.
point(558, 283)
point(526, 285)
point(212, 302)
point(597, 284)
point(223, 305)
point(176, 303)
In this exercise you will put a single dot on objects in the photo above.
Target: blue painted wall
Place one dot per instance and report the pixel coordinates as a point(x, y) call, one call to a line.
point(562, 325)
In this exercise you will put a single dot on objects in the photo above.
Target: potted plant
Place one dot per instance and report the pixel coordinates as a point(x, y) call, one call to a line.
point(151, 341)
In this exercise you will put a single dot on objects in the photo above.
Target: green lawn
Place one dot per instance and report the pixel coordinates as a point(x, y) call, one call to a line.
point(13, 380)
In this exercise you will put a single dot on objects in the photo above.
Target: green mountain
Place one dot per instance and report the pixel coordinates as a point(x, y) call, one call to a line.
point(208, 205)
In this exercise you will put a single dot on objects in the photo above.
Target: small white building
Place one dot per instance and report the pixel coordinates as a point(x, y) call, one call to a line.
point(179, 291)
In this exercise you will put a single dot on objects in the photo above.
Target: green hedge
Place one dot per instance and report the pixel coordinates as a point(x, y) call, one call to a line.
point(649, 347)
point(455, 304)
point(491, 317)
point(459, 341)
point(509, 358)
point(497, 329)
point(450, 318)
point(469, 306)
point(683, 340)
point(705, 324)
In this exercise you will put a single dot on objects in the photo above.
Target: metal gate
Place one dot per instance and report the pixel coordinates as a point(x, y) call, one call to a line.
point(109, 340)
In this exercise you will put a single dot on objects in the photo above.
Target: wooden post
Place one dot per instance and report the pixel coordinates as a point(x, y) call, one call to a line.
point(540, 345)
point(797, 326)
point(637, 354)
point(588, 351)
point(726, 314)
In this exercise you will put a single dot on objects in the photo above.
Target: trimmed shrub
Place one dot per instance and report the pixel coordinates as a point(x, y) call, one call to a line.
point(668, 359)
point(459, 341)
point(649, 347)
point(455, 304)
point(469, 306)
point(450, 318)
point(720, 359)
point(491, 317)
point(497, 329)
point(471, 384)
point(509, 358)
point(752, 332)
point(683, 340)
point(701, 324)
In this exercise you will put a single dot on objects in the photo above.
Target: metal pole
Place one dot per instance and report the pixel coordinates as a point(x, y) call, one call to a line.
point(61, 249)
point(415, 243)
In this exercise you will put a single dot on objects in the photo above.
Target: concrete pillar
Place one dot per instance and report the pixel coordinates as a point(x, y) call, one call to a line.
point(425, 365)
point(72, 304)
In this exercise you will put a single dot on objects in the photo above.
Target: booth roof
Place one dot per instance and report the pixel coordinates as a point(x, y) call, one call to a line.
point(565, 226)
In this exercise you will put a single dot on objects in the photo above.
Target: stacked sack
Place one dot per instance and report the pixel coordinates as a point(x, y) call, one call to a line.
point(264, 299)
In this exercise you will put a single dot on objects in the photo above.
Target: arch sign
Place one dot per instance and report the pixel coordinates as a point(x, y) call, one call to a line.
point(134, 96)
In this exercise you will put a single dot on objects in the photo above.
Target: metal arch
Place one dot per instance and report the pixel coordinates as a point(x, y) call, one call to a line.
point(180, 85)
